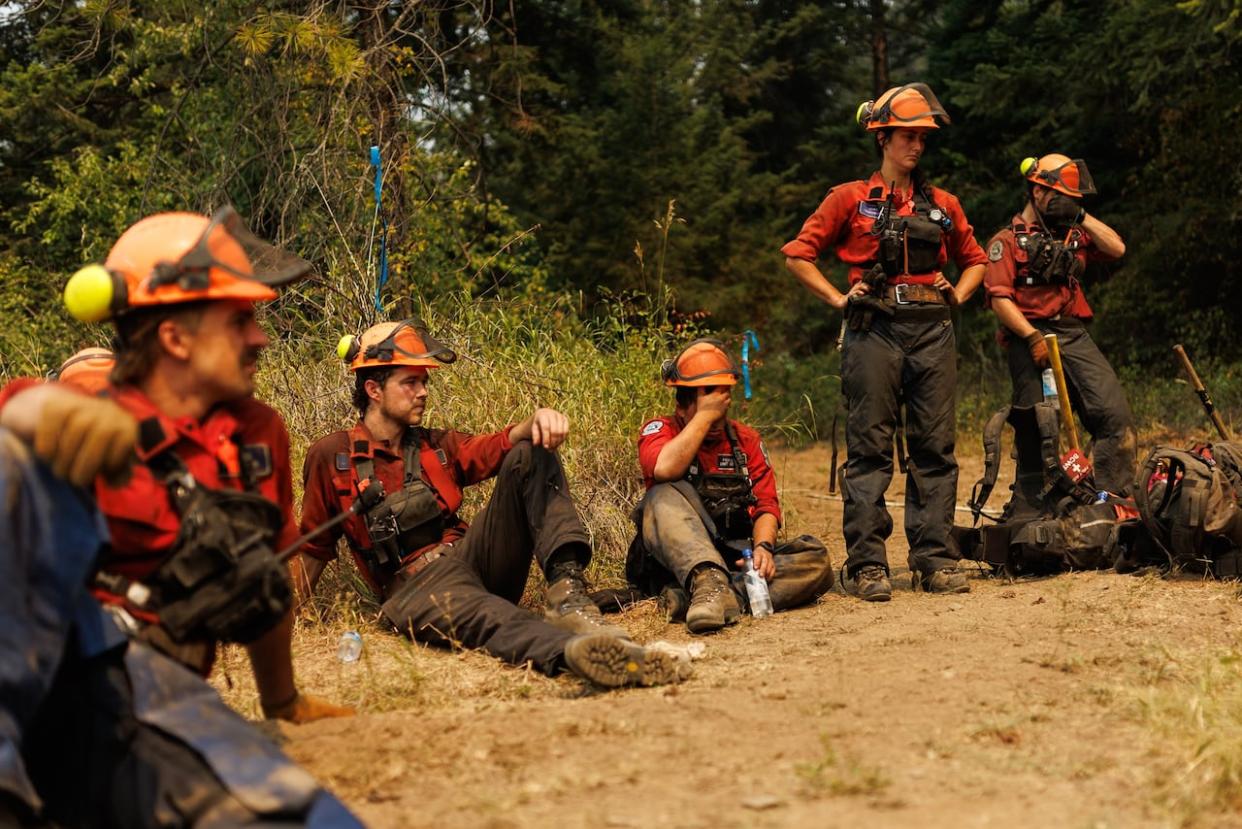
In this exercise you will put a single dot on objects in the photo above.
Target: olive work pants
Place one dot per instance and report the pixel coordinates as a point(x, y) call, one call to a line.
point(674, 535)
point(1096, 397)
point(468, 597)
point(910, 358)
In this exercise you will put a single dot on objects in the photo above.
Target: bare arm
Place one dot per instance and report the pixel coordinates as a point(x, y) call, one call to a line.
point(677, 455)
point(1010, 317)
point(1106, 240)
point(968, 283)
point(815, 281)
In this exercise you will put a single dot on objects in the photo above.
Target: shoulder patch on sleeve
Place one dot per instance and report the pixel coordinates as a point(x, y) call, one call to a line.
point(653, 427)
point(996, 250)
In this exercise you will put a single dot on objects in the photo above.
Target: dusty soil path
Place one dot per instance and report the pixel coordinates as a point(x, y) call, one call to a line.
point(1020, 704)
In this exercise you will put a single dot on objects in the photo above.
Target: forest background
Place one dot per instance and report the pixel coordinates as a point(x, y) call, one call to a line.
point(572, 187)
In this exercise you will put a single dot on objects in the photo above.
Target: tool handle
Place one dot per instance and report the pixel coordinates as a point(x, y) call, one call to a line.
point(1067, 413)
point(1206, 399)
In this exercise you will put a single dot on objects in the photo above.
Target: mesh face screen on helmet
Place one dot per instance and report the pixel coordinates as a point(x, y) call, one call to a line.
point(228, 244)
point(386, 349)
point(907, 105)
point(1070, 176)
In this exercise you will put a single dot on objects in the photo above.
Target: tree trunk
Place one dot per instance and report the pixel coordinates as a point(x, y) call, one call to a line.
point(879, 49)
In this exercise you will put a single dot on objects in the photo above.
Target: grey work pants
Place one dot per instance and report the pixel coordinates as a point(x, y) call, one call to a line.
point(674, 536)
point(913, 357)
point(1096, 397)
point(468, 597)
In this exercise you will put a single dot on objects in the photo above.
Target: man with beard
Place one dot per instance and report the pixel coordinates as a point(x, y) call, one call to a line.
point(111, 731)
point(1033, 285)
point(398, 486)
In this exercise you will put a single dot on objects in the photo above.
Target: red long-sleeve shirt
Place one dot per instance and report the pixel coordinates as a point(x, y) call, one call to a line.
point(142, 521)
point(141, 516)
point(844, 219)
point(715, 455)
point(1006, 259)
point(450, 462)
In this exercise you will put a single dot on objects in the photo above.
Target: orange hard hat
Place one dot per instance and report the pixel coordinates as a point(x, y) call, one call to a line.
point(1060, 172)
point(912, 105)
point(701, 363)
point(384, 344)
point(87, 370)
point(171, 258)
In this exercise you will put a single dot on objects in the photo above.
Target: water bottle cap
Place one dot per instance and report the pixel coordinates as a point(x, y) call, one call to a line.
point(747, 553)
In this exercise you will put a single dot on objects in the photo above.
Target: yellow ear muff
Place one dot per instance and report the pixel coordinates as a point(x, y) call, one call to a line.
point(347, 348)
point(94, 293)
point(1028, 164)
point(863, 113)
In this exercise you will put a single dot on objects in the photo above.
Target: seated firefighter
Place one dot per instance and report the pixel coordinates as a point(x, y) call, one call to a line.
point(711, 493)
point(393, 488)
point(193, 530)
point(97, 728)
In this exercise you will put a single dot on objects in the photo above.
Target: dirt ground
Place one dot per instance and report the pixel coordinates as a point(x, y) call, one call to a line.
point(1019, 704)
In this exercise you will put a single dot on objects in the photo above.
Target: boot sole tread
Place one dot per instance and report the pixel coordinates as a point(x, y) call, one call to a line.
point(614, 663)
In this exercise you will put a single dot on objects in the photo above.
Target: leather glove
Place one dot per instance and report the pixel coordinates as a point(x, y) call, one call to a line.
point(82, 437)
point(304, 708)
point(1039, 349)
point(1063, 211)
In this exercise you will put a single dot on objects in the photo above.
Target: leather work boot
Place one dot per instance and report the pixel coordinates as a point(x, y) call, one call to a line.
point(945, 580)
point(713, 604)
point(870, 584)
point(570, 608)
point(612, 662)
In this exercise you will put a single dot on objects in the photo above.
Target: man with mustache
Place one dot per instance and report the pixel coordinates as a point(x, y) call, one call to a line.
point(98, 725)
point(180, 290)
point(399, 485)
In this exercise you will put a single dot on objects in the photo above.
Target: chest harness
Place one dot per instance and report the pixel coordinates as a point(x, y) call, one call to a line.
point(727, 496)
point(401, 522)
point(908, 244)
point(1043, 260)
point(222, 580)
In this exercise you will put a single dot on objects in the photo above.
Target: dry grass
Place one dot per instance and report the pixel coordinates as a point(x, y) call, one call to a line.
point(395, 674)
point(1194, 707)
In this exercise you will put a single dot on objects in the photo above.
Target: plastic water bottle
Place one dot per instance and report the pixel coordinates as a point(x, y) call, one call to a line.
point(350, 646)
point(756, 588)
point(1050, 386)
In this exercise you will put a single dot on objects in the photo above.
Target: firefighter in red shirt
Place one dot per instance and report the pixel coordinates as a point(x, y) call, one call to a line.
point(711, 493)
point(180, 289)
point(1033, 285)
point(398, 485)
point(896, 233)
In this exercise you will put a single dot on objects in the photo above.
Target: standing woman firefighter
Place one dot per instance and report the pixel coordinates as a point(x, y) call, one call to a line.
point(895, 232)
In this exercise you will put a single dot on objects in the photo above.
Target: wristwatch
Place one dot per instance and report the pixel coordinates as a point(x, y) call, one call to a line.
point(767, 545)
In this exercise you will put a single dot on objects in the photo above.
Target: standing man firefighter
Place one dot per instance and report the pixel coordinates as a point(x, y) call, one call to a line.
point(895, 232)
point(1033, 285)
point(112, 731)
point(711, 493)
point(443, 581)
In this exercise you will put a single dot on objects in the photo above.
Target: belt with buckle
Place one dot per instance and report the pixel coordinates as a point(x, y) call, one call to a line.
point(906, 293)
point(416, 566)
